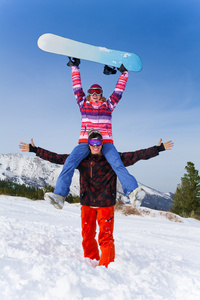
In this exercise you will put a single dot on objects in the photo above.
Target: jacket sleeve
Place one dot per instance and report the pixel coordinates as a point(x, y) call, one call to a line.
point(130, 158)
point(77, 87)
point(119, 89)
point(51, 156)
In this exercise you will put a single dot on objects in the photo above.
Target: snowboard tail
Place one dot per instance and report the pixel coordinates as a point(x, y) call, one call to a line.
point(59, 45)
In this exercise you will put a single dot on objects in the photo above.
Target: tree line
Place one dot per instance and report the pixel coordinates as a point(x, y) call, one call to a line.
point(21, 190)
point(186, 200)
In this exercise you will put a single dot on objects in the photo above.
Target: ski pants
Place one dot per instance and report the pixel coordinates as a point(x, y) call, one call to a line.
point(104, 216)
point(81, 151)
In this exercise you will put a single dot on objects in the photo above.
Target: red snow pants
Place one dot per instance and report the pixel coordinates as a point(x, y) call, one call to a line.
point(104, 216)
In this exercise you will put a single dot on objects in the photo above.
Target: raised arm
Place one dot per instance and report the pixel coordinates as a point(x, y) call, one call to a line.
point(77, 87)
point(76, 80)
point(119, 89)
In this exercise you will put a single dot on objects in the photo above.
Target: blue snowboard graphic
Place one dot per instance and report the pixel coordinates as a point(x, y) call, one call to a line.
point(59, 45)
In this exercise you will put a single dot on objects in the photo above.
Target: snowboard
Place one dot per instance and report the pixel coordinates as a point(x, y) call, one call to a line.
point(60, 45)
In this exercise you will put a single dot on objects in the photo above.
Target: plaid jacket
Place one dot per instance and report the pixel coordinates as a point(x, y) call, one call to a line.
point(97, 179)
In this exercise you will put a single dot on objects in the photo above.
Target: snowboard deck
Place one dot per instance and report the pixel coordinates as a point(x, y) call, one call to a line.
point(63, 46)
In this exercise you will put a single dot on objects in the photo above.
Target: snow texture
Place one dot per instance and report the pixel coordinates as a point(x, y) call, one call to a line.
point(42, 258)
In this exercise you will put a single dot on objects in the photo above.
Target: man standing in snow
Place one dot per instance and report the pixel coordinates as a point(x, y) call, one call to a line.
point(97, 192)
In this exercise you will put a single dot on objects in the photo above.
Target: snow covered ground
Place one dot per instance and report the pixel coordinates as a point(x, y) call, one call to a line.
point(41, 256)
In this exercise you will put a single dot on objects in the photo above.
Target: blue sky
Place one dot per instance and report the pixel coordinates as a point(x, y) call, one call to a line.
point(161, 101)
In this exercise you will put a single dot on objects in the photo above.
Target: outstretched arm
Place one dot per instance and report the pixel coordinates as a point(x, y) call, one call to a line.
point(130, 158)
point(44, 154)
point(26, 147)
point(167, 146)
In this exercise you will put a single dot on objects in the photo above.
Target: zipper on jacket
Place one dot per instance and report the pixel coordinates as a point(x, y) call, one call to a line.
point(91, 169)
point(85, 130)
point(107, 130)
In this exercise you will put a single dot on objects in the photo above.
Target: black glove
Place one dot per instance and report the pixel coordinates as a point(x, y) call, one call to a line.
point(32, 149)
point(122, 69)
point(161, 147)
point(73, 62)
point(109, 70)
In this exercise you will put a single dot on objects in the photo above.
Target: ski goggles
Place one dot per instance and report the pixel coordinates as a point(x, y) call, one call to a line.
point(96, 91)
point(95, 142)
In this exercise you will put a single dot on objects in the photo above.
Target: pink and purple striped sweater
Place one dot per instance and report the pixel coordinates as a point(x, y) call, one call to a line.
point(98, 117)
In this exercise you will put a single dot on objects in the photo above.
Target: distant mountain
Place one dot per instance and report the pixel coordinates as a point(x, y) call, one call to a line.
point(37, 172)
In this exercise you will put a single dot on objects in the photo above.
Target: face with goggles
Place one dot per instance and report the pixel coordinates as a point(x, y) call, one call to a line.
point(95, 145)
point(95, 93)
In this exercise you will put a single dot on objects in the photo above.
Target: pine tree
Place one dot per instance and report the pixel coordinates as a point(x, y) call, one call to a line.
point(187, 196)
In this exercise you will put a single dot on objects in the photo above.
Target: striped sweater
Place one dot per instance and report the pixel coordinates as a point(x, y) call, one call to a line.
point(96, 116)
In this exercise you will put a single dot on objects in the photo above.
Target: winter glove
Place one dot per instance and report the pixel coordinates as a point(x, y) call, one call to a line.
point(73, 62)
point(161, 147)
point(32, 148)
point(122, 69)
point(109, 70)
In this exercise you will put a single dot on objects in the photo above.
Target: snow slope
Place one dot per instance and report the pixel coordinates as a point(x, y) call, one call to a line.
point(36, 172)
point(32, 171)
point(42, 258)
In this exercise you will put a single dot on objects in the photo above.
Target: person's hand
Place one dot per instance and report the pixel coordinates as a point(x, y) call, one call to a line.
point(122, 69)
point(25, 147)
point(73, 62)
point(168, 145)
